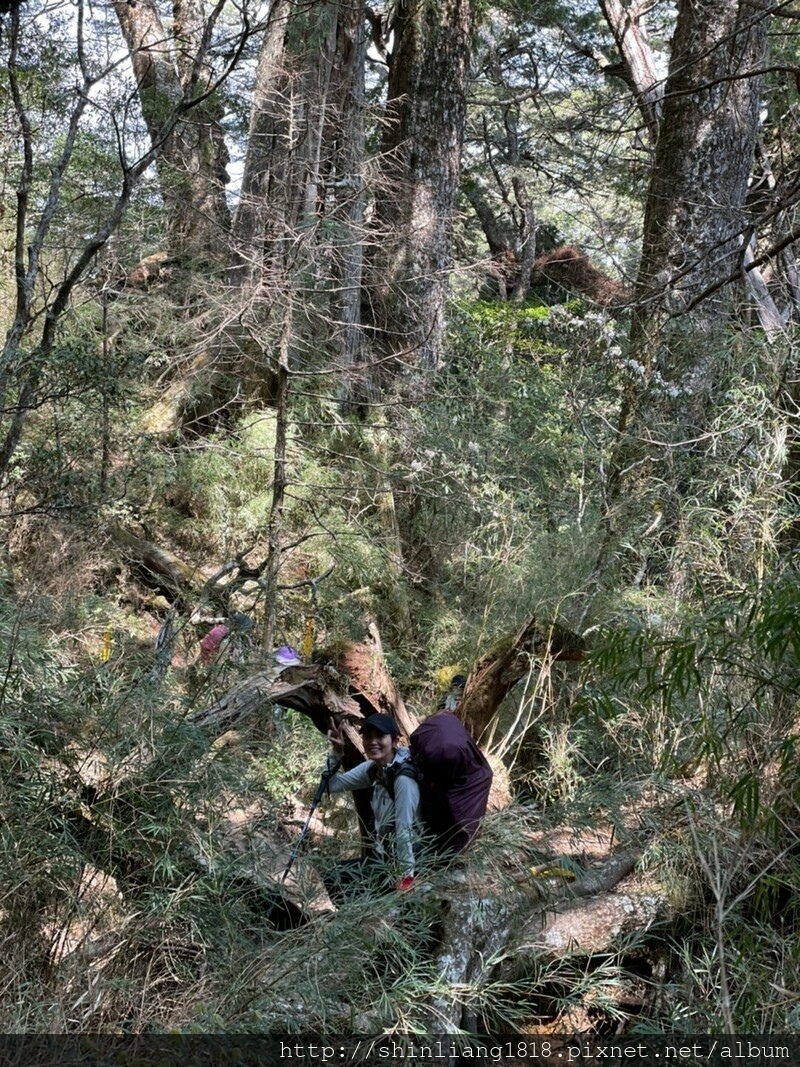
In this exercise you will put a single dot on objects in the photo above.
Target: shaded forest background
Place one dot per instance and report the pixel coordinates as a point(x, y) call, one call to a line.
point(446, 337)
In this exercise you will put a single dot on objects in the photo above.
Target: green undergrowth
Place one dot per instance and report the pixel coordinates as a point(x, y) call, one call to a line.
point(138, 854)
point(126, 834)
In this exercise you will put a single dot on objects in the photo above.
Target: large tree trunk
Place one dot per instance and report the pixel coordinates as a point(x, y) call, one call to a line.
point(348, 682)
point(250, 220)
point(346, 196)
point(306, 136)
point(638, 65)
point(171, 71)
point(694, 215)
point(694, 226)
point(301, 170)
point(301, 212)
point(183, 112)
point(282, 180)
point(409, 269)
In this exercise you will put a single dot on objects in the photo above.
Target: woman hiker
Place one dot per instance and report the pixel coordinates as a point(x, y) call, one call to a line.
point(395, 807)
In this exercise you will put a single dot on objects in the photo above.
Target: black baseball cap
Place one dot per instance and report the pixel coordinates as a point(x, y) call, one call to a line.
point(383, 724)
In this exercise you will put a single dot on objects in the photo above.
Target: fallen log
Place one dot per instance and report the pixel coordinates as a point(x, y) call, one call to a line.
point(358, 673)
point(587, 927)
point(162, 569)
point(348, 682)
point(370, 684)
point(491, 935)
point(188, 587)
point(318, 691)
point(609, 875)
point(322, 691)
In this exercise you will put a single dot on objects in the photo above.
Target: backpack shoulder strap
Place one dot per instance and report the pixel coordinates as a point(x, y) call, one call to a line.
point(405, 769)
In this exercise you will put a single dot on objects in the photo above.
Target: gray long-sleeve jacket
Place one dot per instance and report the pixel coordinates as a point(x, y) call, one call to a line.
point(396, 821)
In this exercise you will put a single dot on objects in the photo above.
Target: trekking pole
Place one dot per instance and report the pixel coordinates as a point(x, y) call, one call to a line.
point(327, 774)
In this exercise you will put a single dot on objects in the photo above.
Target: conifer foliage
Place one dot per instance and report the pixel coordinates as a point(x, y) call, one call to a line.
point(348, 349)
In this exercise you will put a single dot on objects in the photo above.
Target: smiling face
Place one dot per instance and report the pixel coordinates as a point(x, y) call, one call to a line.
point(378, 747)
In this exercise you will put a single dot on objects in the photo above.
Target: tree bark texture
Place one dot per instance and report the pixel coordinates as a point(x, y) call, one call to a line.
point(499, 934)
point(349, 681)
point(306, 134)
point(408, 272)
point(282, 170)
point(694, 224)
point(299, 226)
point(316, 691)
point(192, 156)
point(639, 71)
point(347, 198)
point(694, 215)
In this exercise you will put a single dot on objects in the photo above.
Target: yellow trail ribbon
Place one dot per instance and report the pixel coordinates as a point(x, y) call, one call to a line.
point(308, 638)
point(108, 640)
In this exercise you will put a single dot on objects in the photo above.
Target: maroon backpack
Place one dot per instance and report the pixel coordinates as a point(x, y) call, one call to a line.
point(454, 781)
